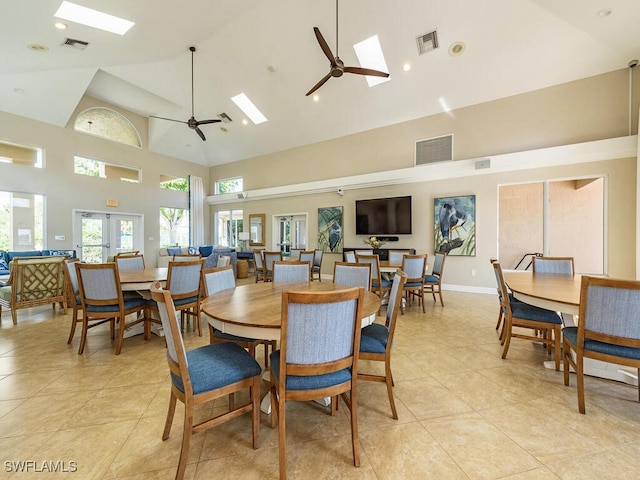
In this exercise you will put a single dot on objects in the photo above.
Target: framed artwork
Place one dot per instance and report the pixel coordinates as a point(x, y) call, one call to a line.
point(455, 225)
point(330, 229)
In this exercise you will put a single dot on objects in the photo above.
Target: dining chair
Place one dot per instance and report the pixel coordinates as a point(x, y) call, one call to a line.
point(73, 294)
point(291, 271)
point(557, 265)
point(350, 256)
point(352, 274)
point(129, 261)
point(521, 315)
point(294, 253)
point(223, 261)
point(185, 282)
point(103, 301)
point(366, 251)
point(186, 257)
point(258, 263)
point(608, 330)
point(377, 339)
point(269, 259)
point(396, 256)
point(433, 281)
point(202, 375)
point(130, 252)
point(318, 255)
point(222, 278)
point(308, 256)
point(379, 285)
point(318, 357)
point(414, 266)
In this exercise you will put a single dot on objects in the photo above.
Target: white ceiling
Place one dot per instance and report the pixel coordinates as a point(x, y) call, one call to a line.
point(512, 46)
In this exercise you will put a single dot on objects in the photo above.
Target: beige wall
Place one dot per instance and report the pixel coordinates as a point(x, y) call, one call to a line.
point(66, 191)
point(591, 109)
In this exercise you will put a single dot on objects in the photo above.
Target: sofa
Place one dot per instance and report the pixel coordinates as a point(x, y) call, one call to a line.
point(208, 252)
point(33, 282)
point(6, 256)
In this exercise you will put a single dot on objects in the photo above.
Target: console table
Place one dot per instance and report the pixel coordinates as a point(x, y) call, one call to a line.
point(383, 253)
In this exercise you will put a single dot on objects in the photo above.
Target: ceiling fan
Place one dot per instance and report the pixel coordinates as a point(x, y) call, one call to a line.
point(337, 66)
point(192, 122)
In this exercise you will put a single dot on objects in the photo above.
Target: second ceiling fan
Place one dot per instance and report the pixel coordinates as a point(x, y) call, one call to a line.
point(192, 123)
point(337, 68)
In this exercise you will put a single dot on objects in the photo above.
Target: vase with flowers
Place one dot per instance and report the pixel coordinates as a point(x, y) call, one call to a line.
point(374, 242)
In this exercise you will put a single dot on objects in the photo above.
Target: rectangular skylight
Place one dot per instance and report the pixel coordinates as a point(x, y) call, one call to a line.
point(249, 109)
point(93, 18)
point(369, 53)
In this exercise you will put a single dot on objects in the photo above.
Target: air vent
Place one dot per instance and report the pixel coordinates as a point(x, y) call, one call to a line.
point(72, 42)
point(434, 150)
point(427, 42)
point(225, 118)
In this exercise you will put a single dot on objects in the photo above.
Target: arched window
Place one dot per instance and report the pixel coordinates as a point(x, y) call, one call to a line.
point(109, 124)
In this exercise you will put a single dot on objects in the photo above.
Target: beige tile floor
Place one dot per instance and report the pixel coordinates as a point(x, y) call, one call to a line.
point(463, 411)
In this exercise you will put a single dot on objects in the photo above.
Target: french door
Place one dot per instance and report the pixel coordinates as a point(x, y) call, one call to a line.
point(290, 231)
point(98, 235)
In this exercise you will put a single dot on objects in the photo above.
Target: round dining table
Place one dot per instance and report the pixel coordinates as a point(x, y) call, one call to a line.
point(253, 310)
point(135, 280)
point(560, 293)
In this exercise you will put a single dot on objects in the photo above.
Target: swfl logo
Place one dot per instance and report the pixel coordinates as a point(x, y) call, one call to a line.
point(58, 466)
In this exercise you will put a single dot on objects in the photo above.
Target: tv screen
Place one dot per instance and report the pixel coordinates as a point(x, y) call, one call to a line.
point(383, 216)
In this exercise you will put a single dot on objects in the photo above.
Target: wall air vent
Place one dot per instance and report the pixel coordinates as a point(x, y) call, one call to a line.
point(72, 42)
point(427, 42)
point(434, 150)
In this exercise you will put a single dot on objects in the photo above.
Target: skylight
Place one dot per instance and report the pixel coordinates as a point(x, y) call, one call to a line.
point(369, 53)
point(93, 18)
point(249, 109)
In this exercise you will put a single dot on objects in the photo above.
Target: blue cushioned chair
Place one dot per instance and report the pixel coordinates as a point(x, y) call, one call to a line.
point(73, 295)
point(377, 339)
point(318, 356)
point(555, 265)
point(222, 278)
point(522, 315)
point(379, 285)
point(608, 329)
point(414, 266)
point(203, 374)
point(433, 282)
point(103, 301)
point(269, 258)
point(291, 271)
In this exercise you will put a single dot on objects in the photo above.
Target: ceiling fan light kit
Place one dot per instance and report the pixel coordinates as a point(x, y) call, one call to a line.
point(192, 123)
point(337, 68)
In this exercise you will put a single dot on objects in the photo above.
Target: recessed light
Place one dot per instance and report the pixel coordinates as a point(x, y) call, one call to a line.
point(316, 98)
point(60, 25)
point(223, 129)
point(406, 67)
point(36, 47)
point(456, 48)
point(605, 12)
point(245, 121)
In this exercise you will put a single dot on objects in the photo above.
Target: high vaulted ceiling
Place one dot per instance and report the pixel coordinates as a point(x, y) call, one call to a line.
point(267, 49)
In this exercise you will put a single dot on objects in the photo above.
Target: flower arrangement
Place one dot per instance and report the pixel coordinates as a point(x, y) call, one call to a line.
point(374, 242)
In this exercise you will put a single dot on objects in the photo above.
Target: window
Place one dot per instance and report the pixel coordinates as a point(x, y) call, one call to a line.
point(108, 124)
point(174, 227)
point(21, 221)
point(228, 226)
point(174, 183)
point(20, 154)
point(96, 168)
point(229, 185)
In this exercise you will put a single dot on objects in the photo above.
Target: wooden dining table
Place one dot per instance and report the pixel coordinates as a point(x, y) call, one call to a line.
point(141, 280)
point(560, 293)
point(253, 310)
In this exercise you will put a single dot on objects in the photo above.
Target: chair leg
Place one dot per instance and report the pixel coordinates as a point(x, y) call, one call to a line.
point(440, 295)
point(120, 339)
point(255, 412)
point(186, 440)
point(389, 382)
point(282, 438)
point(355, 443)
point(506, 338)
point(83, 338)
point(580, 378)
point(556, 338)
point(170, 413)
point(74, 321)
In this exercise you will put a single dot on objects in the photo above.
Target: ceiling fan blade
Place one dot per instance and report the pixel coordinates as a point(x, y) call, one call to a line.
point(323, 45)
point(319, 84)
point(365, 71)
point(170, 119)
point(199, 132)
point(205, 122)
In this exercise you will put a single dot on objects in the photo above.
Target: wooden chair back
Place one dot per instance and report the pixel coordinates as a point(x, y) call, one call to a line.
point(291, 271)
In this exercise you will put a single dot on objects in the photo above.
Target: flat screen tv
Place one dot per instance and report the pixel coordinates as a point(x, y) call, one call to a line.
point(383, 216)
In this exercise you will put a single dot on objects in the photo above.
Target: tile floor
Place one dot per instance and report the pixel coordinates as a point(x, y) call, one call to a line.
point(464, 413)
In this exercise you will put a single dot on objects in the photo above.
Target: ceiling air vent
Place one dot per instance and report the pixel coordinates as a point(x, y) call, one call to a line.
point(72, 42)
point(225, 118)
point(434, 150)
point(427, 42)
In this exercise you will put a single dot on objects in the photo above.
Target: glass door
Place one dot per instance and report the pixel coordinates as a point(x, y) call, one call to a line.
point(291, 232)
point(100, 235)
